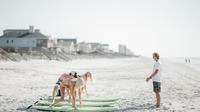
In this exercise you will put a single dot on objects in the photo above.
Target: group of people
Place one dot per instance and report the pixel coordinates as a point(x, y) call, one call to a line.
point(72, 83)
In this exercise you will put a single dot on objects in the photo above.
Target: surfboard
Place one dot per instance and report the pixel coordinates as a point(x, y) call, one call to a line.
point(70, 109)
point(90, 99)
point(84, 104)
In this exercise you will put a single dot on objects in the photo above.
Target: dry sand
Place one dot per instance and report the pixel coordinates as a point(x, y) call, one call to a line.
point(22, 83)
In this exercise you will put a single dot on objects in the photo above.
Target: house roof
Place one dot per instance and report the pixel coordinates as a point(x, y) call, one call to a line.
point(66, 43)
point(67, 40)
point(15, 33)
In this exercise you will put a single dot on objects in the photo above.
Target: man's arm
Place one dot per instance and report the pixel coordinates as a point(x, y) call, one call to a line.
point(152, 75)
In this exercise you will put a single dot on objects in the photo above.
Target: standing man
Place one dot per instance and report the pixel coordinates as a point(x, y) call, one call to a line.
point(155, 76)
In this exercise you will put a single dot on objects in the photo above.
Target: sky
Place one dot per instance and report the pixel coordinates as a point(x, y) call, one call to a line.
point(170, 27)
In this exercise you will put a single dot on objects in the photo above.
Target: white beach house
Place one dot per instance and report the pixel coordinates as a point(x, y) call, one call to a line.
point(84, 47)
point(66, 44)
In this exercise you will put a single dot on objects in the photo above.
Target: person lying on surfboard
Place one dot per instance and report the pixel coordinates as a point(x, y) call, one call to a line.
point(60, 79)
point(73, 85)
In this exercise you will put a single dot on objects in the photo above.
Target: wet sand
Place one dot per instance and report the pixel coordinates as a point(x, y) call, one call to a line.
point(23, 83)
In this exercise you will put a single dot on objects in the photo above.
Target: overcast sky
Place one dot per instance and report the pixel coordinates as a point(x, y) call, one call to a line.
point(170, 27)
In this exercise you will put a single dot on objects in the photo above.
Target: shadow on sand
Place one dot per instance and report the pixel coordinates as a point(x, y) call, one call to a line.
point(24, 109)
point(138, 107)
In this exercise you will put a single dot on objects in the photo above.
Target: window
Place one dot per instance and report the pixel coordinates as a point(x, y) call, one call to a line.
point(12, 41)
point(7, 41)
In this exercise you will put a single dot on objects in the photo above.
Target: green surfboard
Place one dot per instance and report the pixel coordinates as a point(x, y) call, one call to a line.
point(91, 99)
point(84, 104)
point(70, 109)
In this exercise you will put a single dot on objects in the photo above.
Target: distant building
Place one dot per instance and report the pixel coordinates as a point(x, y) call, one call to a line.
point(74, 40)
point(129, 52)
point(94, 45)
point(24, 38)
point(84, 47)
point(122, 49)
point(50, 43)
point(105, 48)
point(100, 47)
point(68, 45)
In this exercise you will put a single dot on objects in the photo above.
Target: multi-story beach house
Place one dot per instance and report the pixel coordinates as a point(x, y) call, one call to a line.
point(66, 44)
point(100, 47)
point(105, 48)
point(93, 47)
point(123, 50)
point(84, 47)
point(24, 38)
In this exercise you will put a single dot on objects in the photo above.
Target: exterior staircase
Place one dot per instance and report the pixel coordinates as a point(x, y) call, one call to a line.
point(54, 55)
point(6, 55)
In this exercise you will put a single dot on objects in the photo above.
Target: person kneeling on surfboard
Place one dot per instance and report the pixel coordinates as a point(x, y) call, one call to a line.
point(60, 79)
point(73, 85)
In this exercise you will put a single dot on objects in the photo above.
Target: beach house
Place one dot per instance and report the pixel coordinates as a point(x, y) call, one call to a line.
point(99, 46)
point(67, 44)
point(24, 38)
point(84, 47)
point(105, 48)
point(122, 49)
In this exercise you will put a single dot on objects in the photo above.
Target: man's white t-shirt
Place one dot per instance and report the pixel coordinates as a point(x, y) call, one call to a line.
point(156, 78)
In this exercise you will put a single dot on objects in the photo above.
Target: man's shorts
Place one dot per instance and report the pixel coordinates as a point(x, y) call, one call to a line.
point(156, 86)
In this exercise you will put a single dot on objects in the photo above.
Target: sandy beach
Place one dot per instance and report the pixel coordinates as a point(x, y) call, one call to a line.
point(23, 83)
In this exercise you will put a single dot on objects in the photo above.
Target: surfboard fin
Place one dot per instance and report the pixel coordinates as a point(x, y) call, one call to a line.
point(29, 107)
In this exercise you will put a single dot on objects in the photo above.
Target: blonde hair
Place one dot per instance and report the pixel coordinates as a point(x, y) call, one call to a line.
point(88, 75)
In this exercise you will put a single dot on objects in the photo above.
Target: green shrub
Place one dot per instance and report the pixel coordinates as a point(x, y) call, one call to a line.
point(9, 49)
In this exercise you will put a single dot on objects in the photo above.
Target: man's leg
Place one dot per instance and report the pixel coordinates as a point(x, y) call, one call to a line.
point(158, 99)
point(157, 89)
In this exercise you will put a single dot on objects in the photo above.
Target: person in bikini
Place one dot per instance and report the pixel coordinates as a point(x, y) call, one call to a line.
point(85, 77)
point(60, 79)
point(73, 85)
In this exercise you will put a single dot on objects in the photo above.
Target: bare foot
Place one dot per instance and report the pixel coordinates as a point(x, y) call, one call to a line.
point(51, 106)
point(69, 100)
point(75, 108)
point(157, 106)
point(81, 104)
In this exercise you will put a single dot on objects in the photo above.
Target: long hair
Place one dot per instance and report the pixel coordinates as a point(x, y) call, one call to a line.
point(88, 75)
